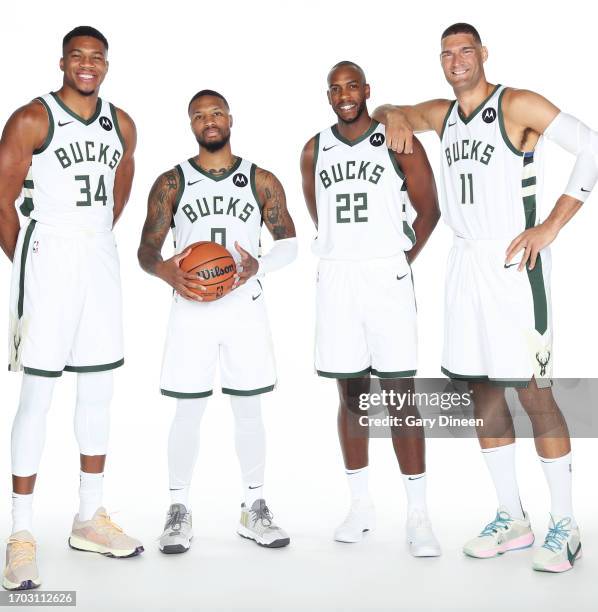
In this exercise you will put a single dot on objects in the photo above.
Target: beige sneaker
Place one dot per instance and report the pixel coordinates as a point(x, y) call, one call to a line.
point(21, 569)
point(101, 535)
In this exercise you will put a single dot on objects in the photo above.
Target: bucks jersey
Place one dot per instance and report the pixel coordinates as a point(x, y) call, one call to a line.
point(362, 204)
point(221, 209)
point(71, 179)
point(489, 186)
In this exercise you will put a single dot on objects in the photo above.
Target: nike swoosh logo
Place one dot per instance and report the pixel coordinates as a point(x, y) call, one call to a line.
point(255, 487)
point(511, 265)
point(415, 478)
point(60, 124)
point(402, 277)
point(451, 124)
point(328, 148)
point(255, 297)
point(189, 183)
point(586, 190)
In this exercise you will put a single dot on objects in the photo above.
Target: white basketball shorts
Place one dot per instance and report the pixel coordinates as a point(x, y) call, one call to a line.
point(497, 319)
point(65, 306)
point(234, 331)
point(366, 318)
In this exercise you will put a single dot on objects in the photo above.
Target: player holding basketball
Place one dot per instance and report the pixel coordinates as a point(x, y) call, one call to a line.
point(498, 324)
point(218, 197)
point(356, 193)
point(70, 154)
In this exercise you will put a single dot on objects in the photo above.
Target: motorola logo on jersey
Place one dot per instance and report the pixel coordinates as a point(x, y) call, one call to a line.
point(106, 123)
point(489, 115)
point(240, 180)
point(377, 140)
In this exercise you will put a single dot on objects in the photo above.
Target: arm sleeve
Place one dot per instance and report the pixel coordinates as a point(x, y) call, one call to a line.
point(282, 253)
point(578, 139)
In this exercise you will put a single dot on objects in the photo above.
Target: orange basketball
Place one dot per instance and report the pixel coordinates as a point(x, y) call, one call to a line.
point(214, 267)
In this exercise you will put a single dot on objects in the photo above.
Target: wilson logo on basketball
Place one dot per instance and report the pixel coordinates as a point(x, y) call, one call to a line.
point(215, 272)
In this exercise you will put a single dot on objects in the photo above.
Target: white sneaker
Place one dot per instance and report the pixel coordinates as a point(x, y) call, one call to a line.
point(361, 518)
point(561, 548)
point(257, 524)
point(178, 530)
point(420, 537)
point(502, 534)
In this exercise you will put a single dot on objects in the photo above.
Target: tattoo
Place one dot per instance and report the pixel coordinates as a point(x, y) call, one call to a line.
point(273, 200)
point(159, 217)
point(215, 172)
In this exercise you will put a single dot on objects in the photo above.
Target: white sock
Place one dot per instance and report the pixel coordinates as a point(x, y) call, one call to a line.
point(358, 485)
point(501, 465)
point(415, 487)
point(91, 488)
point(250, 444)
point(181, 496)
point(558, 477)
point(22, 512)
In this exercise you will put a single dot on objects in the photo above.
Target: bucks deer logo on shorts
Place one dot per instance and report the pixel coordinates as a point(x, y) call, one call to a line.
point(543, 357)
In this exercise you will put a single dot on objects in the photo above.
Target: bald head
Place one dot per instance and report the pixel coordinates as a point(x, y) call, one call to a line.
point(344, 66)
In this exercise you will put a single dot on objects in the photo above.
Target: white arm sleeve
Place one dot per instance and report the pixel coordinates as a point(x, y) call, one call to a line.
point(577, 138)
point(282, 253)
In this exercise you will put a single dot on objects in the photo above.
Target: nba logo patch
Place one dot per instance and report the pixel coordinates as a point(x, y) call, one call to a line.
point(35, 246)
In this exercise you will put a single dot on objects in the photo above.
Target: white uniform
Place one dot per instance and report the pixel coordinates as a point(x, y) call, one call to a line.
point(65, 309)
point(498, 320)
point(366, 313)
point(234, 328)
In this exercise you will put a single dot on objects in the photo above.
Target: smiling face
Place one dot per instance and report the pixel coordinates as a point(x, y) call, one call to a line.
point(211, 122)
point(462, 60)
point(84, 63)
point(348, 92)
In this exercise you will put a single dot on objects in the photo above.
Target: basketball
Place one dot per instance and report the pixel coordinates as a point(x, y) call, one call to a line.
point(214, 267)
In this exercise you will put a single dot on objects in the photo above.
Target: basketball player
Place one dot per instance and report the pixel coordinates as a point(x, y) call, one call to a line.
point(498, 329)
point(218, 197)
point(70, 154)
point(355, 190)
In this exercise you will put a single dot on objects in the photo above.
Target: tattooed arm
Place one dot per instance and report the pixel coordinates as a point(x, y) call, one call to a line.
point(274, 205)
point(276, 216)
point(160, 207)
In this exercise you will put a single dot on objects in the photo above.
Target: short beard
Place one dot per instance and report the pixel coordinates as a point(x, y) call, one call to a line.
point(86, 94)
point(360, 112)
point(214, 146)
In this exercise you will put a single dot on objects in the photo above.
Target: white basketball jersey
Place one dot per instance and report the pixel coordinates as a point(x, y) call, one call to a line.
point(489, 186)
point(362, 204)
point(221, 209)
point(71, 179)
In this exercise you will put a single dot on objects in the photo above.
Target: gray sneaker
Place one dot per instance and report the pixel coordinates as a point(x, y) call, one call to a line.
point(178, 532)
point(256, 524)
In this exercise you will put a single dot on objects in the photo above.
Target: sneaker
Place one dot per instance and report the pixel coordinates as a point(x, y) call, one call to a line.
point(256, 524)
point(420, 537)
point(561, 548)
point(20, 572)
point(361, 518)
point(101, 535)
point(178, 532)
point(502, 534)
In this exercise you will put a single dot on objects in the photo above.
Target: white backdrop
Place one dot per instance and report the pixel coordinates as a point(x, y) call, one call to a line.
point(270, 60)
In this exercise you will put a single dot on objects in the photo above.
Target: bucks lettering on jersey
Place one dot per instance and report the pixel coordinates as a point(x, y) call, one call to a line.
point(221, 209)
point(71, 179)
point(489, 186)
point(361, 198)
